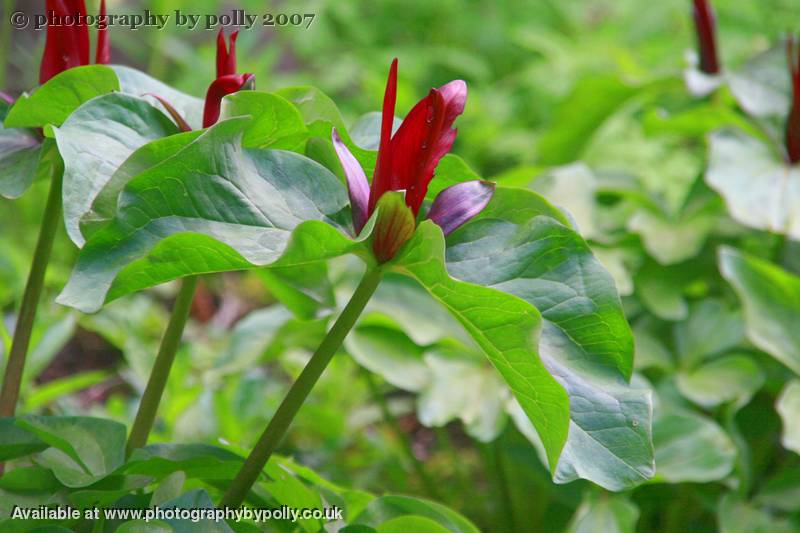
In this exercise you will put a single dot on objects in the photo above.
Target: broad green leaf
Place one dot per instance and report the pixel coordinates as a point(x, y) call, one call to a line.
point(276, 122)
point(82, 450)
point(573, 188)
point(771, 300)
point(53, 102)
point(16, 441)
point(759, 188)
point(504, 326)
point(95, 140)
point(318, 110)
point(788, 406)
point(743, 517)
point(104, 206)
point(289, 490)
point(217, 207)
point(29, 478)
point(586, 343)
point(711, 329)
point(661, 290)
point(464, 389)
point(731, 378)
point(391, 354)
point(781, 491)
point(403, 524)
point(191, 501)
point(389, 507)
point(591, 102)
point(366, 131)
point(197, 461)
point(20, 151)
point(137, 83)
point(609, 514)
point(762, 85)
point(691, 448)
point(673, 240)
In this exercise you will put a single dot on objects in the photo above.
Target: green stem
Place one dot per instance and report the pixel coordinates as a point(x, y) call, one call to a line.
point(33, 292)
point(405, 442)
point(299, 391)
point(148, 406)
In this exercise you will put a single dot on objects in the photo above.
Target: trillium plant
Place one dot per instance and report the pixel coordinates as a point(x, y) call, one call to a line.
point(160, 186)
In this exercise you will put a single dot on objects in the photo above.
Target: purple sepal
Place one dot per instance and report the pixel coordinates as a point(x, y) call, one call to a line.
point(6, 98)
point(357, 184)
point(460, 203)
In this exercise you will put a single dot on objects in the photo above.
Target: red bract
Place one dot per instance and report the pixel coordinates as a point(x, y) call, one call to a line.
point(67, 46)
point(793, 122)
point(407, 161)
point(227, 82)
point(706, 36)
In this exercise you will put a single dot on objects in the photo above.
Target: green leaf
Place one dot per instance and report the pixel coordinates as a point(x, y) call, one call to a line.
point(691, 448)
point(20, 151)
point(762, 85)
point(318, 110)
point(759, 188)
point(742, 517)
point(16, 441)
point(95, 140)
point(137, 83)
point(781, 491)
point(609, 514)
point(731, 378)
point(215, 208)
point(83, 450)
point(366, 132)
point(712, 328)
point(197, 461)
point(386, 508)
point(771, 300)
point(504, 326)
point(276, 122)
point(196, 499)
point(403, 524)
point(788, 406)
point(54, 101)
point(391, 354)
point(151, 154)
point(586, 343)
point(465, 389)
point(591, 102)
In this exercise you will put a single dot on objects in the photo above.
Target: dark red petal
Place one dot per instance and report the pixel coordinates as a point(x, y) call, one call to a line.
point(460, 203)
point(226, 57)
point(220, 88)
point(357, 184)
point(381, 177)
point(424, 137)
point(103, 52)
point(705, 27)
point(65, 46)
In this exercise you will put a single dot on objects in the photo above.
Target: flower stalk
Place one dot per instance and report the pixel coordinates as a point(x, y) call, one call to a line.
point(148, 406)
point(15, 365)
point(157, 382)
point(277, 427)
